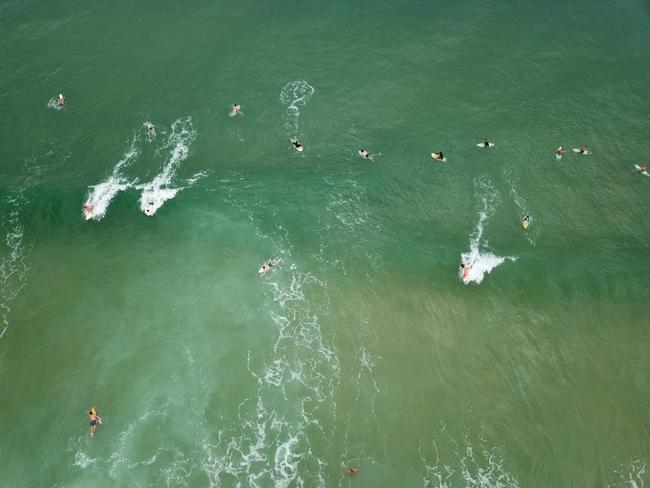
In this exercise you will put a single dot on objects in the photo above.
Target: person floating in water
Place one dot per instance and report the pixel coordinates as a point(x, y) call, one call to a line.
point(466, 272)
point(60, 100)
point(268, 265)
point(296, 144)
point(235, 109)
point(584, 150)
point(559, 152)
point(150, 128)
point(438, 155)
point(365, 154)
point(351, 471)
point(486, 144)
point(95, 421)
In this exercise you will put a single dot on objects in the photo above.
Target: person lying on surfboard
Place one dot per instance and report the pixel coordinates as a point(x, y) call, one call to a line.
point(438, 155)
point(296, 144)
point(486, 143)
point(364, 154)
point(584, 150)
point(642, 168)
point(466, 272)
point(95, 421)
point(525, 221)
point(268, 265)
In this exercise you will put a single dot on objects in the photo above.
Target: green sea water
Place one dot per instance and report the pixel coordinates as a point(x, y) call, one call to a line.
point(362, 346)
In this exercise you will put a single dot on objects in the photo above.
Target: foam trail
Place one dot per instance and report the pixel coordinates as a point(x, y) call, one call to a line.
point(51, 103)
point(482, 262)
point(157, 192)
point(294, 95)
point(101, 195)
point(629, 475)
point(13, 267)
point(521, 204)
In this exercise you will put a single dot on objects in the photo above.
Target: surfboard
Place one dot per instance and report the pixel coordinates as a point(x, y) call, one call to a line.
point(638, 168)
point(480, 144)
point(524, 223)
point(577, 151)
point(443, 160)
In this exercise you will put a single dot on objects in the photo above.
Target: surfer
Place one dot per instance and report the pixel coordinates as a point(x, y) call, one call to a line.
point(268, 265)
point(486, 144)
point(235, 109)
point(584, 150)
point(466, 271)
point(88, 210)
point(642, 168)
point(525, 221)
point(351, 471)
point(365, 154)
point(60, 100)
point(296, 144)
point(438, 155)
point(151, 128)
point(95, 421)
point(559, 152)
point(149, 210)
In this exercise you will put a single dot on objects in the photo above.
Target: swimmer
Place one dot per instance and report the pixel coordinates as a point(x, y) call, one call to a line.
point(149, 210)
point(466, 272)
point(268, 265)
point(95, 421)
point(296, 144)
point(559, 152)
point(235, 109)
point(60, 100)
point(438, 155)
point(584, 150)
point(365, 154)
point(351, 471)
point(151, 128)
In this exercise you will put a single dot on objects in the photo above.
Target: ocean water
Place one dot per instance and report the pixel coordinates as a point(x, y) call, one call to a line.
point(362, 347)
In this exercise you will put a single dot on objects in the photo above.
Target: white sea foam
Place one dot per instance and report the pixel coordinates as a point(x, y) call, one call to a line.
point(472, 465)
point(51, 103)
point(629, 475)
point(82, 460)
point(478, 258)
point(101, 195)
point(158, 191)
point(295, 95)
point(14, 267)
point(277, 438)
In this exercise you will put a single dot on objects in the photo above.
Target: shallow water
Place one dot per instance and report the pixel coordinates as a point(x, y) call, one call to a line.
point(362, 346)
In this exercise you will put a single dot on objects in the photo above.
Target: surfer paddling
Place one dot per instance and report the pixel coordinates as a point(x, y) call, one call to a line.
point(150, 128)
point(438, 156)
point(365, 154)
point(235, 109)
point(296, 144)
point(584, 150)
point(486, 144)
point(466, 270)
point(95, 421)
point(642, 168)
point(268, 265)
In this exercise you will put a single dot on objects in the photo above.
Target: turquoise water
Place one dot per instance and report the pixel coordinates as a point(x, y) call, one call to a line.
point(362, 347)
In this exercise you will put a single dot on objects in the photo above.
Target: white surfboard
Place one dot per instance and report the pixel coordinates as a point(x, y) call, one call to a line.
point(443, 160)
point(490, 144)
point(577, 151)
